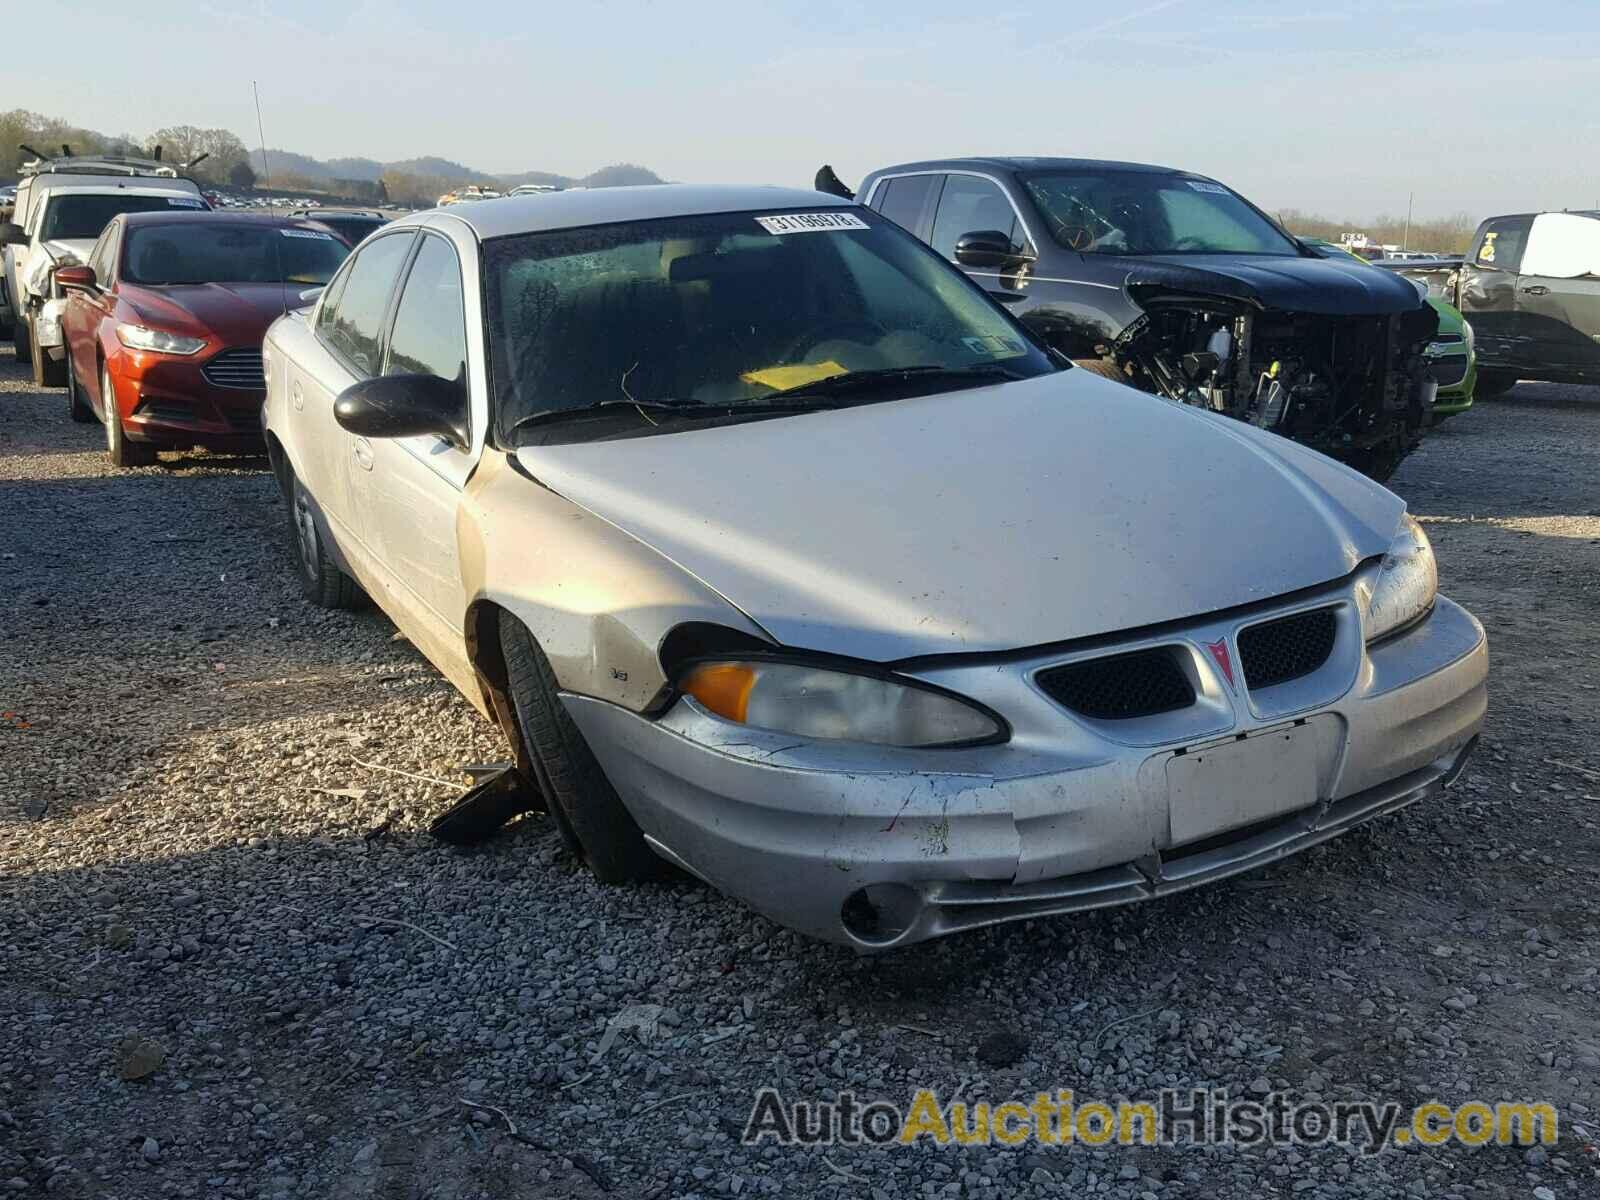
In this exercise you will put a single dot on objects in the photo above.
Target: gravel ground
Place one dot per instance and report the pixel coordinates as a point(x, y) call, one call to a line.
point(232, 962)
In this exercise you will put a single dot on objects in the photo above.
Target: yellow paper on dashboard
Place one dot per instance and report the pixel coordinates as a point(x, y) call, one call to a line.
point(794, 375)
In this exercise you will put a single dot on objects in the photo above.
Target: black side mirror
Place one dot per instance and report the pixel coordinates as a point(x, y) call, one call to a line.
point(986, 248)
point(393, 406)
point(12, 234)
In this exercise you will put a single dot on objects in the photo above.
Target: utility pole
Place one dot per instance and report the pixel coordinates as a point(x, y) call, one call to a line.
point(1405, 242)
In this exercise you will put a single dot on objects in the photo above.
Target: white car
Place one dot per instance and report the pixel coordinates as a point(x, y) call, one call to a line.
point(60, 211)
point(781, 552)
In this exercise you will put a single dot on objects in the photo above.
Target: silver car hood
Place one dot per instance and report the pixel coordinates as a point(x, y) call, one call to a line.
point(1014, 515)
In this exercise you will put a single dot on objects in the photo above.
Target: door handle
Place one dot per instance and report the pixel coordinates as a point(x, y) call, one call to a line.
point(362, 450)
point(1537, 289)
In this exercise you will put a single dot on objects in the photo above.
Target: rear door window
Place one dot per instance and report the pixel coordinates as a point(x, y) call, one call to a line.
point(907, 200)
point(1501, 243)
point(351, 323)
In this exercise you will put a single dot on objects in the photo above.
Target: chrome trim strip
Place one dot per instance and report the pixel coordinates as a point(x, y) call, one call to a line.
point(1046, 279)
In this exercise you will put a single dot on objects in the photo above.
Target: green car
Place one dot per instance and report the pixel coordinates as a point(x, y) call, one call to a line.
point(1450, 355)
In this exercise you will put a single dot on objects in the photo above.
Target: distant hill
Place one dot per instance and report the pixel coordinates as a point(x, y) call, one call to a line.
point(287, 162)
point(616, 175)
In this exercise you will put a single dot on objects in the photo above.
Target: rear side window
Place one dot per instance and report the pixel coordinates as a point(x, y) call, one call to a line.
point(906, 200)
point(351, 324)
point(971, 205)
point(1501, 242)
point(430, 327)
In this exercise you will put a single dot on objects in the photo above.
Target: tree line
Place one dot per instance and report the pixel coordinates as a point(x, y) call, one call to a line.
point(1442, 235)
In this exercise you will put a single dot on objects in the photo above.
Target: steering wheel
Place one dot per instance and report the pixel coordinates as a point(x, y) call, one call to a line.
point(1077, 237)
point(809, 340)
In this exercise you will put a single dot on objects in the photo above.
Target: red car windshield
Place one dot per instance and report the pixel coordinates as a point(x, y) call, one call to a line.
point(202, 252)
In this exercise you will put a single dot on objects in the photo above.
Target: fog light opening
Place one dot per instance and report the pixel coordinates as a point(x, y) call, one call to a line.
point(880, 913)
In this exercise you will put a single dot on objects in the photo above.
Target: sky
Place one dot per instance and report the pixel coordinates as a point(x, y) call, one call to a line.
point(1344, 109)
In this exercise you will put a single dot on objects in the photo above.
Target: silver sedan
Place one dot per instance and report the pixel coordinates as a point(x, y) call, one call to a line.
point(783, 554)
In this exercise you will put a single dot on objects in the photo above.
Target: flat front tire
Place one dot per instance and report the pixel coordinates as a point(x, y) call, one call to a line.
point(119, 449)
point(321, 580)
point(587, 810)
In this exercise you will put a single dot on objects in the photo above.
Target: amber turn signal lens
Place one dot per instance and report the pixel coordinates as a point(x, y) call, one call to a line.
point(724, 688)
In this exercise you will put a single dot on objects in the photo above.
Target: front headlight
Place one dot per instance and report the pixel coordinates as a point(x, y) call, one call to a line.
point(1469, 338)
point(1402, 591)
point(816, 702)
point(138, 337)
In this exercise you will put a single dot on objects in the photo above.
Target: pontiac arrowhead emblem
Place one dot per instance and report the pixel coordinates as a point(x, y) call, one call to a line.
point(1219, 655)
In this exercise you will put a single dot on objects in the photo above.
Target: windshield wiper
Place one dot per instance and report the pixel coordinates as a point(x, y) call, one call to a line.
point(676, 407)
point(850, 381)
point(606, 408)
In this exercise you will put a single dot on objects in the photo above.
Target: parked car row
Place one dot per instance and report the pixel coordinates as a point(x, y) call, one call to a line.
point(149, 307)
point(1530, 285)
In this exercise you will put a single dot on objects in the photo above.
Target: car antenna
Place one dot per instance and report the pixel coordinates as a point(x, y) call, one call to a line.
point(266, 174)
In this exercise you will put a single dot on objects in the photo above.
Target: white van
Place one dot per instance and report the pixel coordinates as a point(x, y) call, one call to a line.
point(62, 206)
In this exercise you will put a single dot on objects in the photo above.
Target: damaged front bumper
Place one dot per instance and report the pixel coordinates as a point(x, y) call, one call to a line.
point(877, 847)
point(47, 328)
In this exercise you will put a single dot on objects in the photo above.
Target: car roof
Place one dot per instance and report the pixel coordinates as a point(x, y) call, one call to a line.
point(605, 206)
point(1028, 163)
point(202, 216)
point(107, 182)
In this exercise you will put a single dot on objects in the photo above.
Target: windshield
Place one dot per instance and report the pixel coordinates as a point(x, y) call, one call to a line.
point(201, 251)
point(728, 310)
point(85, 215)
point(1145, 212)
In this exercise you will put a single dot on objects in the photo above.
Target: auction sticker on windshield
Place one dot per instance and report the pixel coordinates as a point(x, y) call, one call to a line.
point(817, 222)
point(312, 234)
point(184, 202)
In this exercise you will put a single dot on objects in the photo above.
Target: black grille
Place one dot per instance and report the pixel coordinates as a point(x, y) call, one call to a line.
point(239, 368)
point(1449, 370)
point(1278, 651)
point(1120, 686)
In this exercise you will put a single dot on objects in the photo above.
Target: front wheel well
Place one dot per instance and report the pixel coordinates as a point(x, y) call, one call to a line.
point(278, 459)
point(487, 656)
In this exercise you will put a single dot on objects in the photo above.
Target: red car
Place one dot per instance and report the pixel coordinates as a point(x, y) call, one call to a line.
point(164, 325)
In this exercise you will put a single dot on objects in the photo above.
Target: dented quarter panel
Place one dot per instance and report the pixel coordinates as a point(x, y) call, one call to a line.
point(597, 600)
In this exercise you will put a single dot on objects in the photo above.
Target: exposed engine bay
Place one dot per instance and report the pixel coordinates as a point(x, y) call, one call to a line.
point(1354, 387)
